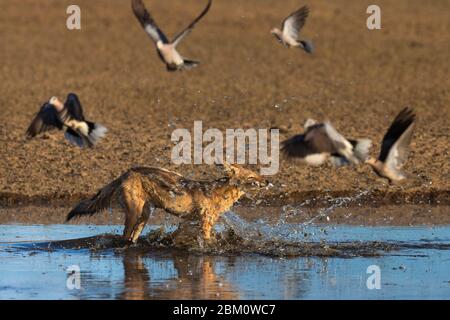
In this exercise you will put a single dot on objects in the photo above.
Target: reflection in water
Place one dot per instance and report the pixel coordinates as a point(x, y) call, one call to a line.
point(195, 278)
point(178, 275)
point(136, 278)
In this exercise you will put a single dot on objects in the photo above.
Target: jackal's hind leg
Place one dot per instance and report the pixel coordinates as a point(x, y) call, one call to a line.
point(133, 203)
point(131, 220)
point(140, 224)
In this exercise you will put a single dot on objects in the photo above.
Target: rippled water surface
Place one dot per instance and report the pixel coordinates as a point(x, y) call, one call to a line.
point(414, 263)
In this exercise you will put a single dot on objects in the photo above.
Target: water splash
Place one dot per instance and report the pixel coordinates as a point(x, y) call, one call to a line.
point(338, 202)
point(284, 232)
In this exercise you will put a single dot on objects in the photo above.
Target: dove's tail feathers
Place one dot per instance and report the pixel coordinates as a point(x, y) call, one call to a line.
point(307, 46)
point(96, 132)
point(87, 135)
point(189, 64)
point(361, 149)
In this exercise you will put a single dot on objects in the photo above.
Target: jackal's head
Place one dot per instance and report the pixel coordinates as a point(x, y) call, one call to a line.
point(243, 176)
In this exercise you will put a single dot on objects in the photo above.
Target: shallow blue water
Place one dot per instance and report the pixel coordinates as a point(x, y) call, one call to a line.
point(419, 272)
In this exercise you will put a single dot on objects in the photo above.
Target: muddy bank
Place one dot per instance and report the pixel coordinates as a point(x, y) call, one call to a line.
point(387, 215)
point(310, 199)
point(229, 242)
point(226, 246)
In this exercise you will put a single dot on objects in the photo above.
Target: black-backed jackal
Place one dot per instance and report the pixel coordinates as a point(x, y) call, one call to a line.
point(140, 190)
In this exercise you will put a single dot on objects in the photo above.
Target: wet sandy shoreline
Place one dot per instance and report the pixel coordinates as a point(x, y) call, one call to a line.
point(311, 198)
point(378, 207)
point(384, 215)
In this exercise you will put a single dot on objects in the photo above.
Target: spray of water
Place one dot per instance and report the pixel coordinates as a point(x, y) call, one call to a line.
point(285, 232)
point(338, 202)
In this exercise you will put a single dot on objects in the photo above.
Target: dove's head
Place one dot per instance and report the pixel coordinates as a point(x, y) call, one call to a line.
point(160, 44)
point(309, 123)
point(276, 33)
point(375, 164)
point(56, 103)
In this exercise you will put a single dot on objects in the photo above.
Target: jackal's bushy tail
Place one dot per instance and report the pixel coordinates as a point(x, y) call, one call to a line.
point(101, 201)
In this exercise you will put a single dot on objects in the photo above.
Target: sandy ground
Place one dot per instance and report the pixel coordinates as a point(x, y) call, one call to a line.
point(357, 78)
